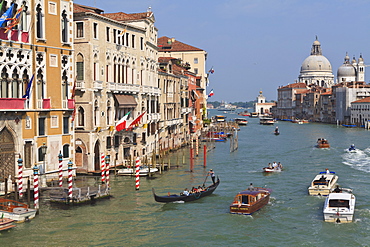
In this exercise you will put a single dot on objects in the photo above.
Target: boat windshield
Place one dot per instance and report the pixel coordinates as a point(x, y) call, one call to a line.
point(339, 203)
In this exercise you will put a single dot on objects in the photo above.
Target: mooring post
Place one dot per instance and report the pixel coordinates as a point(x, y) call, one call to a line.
point(60, 157)
point(205, 156)
point(36, 187)
point(20, 177)
point(70, 181)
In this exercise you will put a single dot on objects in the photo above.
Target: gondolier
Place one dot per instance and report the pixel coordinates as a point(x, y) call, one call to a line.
point(213, 176)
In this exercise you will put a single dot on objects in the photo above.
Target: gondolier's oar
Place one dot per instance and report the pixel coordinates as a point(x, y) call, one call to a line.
point(205, 180)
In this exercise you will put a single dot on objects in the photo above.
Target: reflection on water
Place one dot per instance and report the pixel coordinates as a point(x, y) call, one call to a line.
point(292, 218)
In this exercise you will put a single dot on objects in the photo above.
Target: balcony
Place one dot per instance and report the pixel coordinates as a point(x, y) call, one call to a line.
point(154, 91)
point(154, 116)
point(123, 88)
point(185, 110)
point(43, 104)
point(98, 85)
point(12, 103)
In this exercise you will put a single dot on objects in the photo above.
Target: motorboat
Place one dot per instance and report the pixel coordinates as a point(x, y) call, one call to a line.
point(265, 120)
point(241, 121)
point(352, 149)
point(220, 118)
point(143, 171)
point(300, 121)
point(17, 211)
point(187, 198)
point(323, 183)
point(250, 200)
point(271, 169)
point(254, 115)
point(339, 207)
point(322, 143)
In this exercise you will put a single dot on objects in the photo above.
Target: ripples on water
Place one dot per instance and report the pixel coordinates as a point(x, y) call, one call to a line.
point(292, 218)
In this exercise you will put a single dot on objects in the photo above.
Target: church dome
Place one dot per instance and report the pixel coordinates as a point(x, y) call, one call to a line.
point(346, 70)
point(316, 63)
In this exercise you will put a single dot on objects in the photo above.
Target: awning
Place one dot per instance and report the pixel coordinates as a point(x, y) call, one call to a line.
point(125, 101)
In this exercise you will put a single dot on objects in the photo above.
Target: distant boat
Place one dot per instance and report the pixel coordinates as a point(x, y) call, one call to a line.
point(144, 171)
point(322, 143)
point(266, 120)
point(241, 121)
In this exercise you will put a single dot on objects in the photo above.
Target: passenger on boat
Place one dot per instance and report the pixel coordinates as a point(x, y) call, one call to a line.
point(274, 165)
point(280, 165)
point(185, 192)
point(322, 179)
point(213, 176)
point(337, 189)
point(352, 147)
point(327, 171)
point(250, 187)
point(270, 166)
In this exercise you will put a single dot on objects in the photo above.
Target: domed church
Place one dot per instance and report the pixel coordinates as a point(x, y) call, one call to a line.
point(316, 69)
point(351, 72)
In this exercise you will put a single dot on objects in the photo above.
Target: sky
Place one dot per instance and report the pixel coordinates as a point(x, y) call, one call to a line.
point(257, 45)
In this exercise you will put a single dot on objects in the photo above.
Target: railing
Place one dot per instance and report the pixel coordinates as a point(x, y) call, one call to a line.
point(151, 90)
point(121, 87)
point(98, 85)
point(43, 104)
point(12, 103)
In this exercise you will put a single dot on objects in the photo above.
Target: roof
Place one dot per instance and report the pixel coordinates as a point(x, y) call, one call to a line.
point(120, 16)
point(364, 100)
point(295, 85)
point(78, 8)
point(254, 192)
point(170, 44)
point(342, 196)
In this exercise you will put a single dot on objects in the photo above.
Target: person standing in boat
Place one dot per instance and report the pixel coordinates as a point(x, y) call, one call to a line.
point(327, 171)
point(186, 192)
point(250, 187)
point(213, 176)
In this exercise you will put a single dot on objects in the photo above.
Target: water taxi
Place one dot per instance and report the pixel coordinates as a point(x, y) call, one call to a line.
point(250, 200)
point(17, 211)
point(322, 184)
point(144, 171)
point(322, 143)
point(266, 120)
point(254, 115)
point(241, 121)
point(339, 207)
point(220, 118)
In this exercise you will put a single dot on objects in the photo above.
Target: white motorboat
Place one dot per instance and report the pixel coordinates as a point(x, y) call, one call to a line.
point(144, 171)
point(241, 121)
point(17, 211)
point(268, 169)
point(322, 184)
point(339, 207)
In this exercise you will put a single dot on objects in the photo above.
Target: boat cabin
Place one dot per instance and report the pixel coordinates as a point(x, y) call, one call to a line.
point(248, 197)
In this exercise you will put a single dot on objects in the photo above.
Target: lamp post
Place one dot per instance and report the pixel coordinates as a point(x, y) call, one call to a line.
point(43, 151)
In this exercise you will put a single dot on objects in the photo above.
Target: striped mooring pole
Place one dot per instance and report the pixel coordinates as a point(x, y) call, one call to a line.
point(60, 156)
point(20, 177)
point(107, 161)
point(102, 161)
point(36, 186)
point(70, 181)
point(137, 186)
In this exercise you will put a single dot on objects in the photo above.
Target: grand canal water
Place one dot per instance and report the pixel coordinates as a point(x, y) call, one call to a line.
point(292, 218)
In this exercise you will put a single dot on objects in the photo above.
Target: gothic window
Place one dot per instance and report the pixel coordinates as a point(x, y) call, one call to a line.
point(80, 67)
point(65, 85)
point(4, 84)
point(64, 27)
point(81, 116)
point(39, 22)
point(40, 85)
point(15, 85)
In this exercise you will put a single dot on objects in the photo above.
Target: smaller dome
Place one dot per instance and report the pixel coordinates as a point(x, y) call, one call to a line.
point(346, 70)
point(316, 42)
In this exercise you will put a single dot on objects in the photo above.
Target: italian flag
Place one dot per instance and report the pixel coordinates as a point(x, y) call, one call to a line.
point(122, 124)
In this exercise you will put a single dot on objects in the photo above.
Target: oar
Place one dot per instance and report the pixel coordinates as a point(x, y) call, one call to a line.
point(205, 180)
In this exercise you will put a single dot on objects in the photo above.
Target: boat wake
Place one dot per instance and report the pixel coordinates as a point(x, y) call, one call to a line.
point(359, 160)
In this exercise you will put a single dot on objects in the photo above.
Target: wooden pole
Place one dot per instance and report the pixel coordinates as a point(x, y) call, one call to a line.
point(204, 156)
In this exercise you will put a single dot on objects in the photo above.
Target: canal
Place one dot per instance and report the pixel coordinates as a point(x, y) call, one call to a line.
point(292, 218)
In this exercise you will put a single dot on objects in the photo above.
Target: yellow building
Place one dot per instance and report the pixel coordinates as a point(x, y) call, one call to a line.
point(36, 54)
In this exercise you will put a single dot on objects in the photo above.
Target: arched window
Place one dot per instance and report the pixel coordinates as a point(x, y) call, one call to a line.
point(80, 67)
point(81, 116)
point(66, 151)
point(39, 22)
point(64, 27)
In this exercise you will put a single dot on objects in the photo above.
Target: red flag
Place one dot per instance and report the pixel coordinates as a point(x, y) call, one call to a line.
point(122, 124)
point(136, 121)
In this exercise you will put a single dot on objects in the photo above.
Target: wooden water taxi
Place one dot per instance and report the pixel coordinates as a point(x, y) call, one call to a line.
point(267, 120)
point(250, 200)
point(241, 121)
point(322, 184)
point(144, 171)
point(187, 198)
point(339, 206)
point(322, 143)
point(17, 211)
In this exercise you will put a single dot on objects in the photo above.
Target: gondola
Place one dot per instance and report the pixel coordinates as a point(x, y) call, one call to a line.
point(192, 197)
